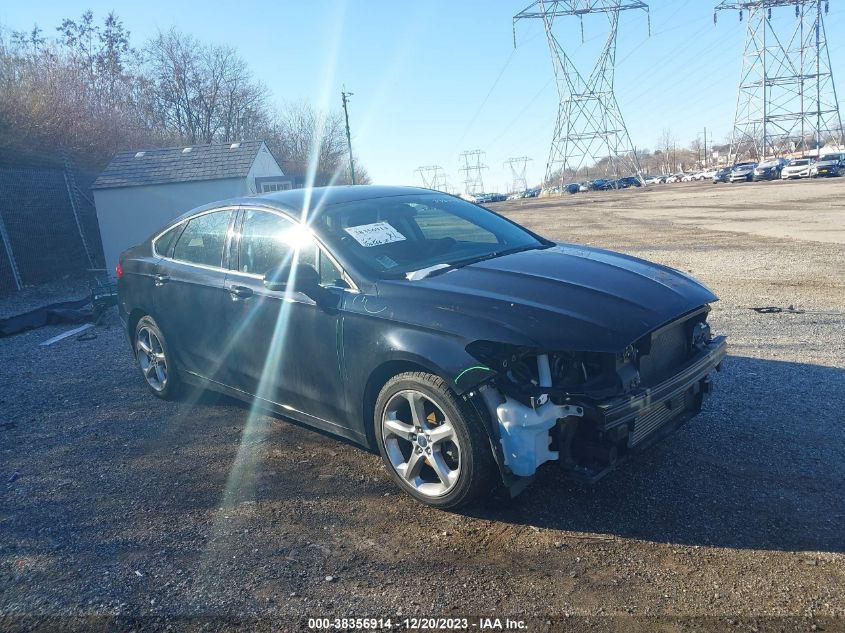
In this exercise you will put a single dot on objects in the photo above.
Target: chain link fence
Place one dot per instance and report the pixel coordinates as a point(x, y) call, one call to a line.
point(48, 223)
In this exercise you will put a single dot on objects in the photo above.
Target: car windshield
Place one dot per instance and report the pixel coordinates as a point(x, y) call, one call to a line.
point(829, 158)
point(394, 236)
point(799, 163)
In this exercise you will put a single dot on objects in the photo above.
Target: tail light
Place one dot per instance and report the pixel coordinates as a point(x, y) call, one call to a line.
point(118, 271)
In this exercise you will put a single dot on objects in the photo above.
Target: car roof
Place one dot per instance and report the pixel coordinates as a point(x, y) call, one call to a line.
point(314, 198)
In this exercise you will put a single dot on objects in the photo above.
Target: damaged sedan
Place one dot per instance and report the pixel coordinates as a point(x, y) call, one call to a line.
point(465, 349)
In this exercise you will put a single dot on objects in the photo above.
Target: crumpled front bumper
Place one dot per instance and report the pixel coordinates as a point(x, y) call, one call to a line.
point(591, 438)
point(665, 400)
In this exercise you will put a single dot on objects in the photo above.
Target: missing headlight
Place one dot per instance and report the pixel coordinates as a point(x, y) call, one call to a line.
point(570, 373)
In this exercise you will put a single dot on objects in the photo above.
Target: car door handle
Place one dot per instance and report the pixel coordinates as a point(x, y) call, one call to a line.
point(240, 292)
point(160, 280)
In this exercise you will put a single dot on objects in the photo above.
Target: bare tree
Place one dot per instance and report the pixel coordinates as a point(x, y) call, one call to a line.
point(697, 148)
point(89, 92)
point(312, 145)
point(203, 93)
point(666, 144)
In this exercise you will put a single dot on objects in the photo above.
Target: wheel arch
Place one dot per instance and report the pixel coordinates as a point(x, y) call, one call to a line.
point(132, 321)
point(377, 379)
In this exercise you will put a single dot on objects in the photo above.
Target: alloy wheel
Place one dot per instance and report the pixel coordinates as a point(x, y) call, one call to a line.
point(421, 443)
point(151, 358)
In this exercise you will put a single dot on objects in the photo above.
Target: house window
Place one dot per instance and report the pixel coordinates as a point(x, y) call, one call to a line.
point(267, 187)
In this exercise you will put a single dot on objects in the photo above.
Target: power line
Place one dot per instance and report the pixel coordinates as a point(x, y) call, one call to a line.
point(486, 98)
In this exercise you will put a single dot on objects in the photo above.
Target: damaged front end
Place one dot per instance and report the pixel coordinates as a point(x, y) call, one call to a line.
point(589, 410)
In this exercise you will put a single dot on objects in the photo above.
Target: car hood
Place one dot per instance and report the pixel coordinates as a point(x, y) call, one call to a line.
point(796, 167)
point(563, 298)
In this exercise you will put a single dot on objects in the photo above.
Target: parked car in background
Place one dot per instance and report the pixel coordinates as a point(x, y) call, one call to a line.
point(632, 181)
point(688, 177)
point(584, 186)
point(721, 175)
point(742, 172)
point(573, 188)
point(828, 165)
point(652, 180)
point(797, 168)
point(708, 174)
point(326, 306)
point(770, 169)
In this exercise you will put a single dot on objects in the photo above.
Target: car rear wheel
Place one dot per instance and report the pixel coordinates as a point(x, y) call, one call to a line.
point(154, 359)
point(432, 443)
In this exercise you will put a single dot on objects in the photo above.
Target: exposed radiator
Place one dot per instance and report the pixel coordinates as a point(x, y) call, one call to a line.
point(669, 349)
point(651, 421)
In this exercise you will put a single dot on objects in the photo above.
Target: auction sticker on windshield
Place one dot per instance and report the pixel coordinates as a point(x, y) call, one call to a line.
point(375, 234)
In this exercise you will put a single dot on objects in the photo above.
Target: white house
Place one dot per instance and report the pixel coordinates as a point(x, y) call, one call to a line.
point(139, 192)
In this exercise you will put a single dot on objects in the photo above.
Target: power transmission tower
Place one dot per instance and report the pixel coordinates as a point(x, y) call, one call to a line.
point(518, 166)
point(589, 127)
point(473, 168)
point(433, 177)
point(786, 91)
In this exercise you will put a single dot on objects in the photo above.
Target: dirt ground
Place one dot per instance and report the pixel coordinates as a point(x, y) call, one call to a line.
point(197, 515)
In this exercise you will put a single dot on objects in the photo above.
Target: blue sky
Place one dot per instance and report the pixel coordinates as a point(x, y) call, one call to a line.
point(435, 77)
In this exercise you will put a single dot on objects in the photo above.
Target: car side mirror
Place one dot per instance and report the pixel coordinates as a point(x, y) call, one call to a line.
point(302, 278)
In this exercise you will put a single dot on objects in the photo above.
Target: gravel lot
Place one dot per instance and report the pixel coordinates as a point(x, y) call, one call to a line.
point(128, 506)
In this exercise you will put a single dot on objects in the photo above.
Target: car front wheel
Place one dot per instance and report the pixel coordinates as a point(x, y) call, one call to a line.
point(154, 359)
point(432, 442)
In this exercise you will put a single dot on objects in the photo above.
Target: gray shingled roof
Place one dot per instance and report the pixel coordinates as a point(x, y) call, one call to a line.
point(172, 164)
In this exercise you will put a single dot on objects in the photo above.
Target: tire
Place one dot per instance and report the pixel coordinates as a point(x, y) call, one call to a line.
point(453, 442)
point(155, 362)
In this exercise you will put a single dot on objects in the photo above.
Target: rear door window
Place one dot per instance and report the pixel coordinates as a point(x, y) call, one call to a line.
point(203, 239)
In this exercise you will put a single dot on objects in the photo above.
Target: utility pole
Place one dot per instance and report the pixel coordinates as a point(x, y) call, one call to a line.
point(589, 127)
point(345, 96)
point(706, 158)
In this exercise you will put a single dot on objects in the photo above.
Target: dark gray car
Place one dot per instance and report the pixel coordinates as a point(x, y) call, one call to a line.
point(464, 348)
